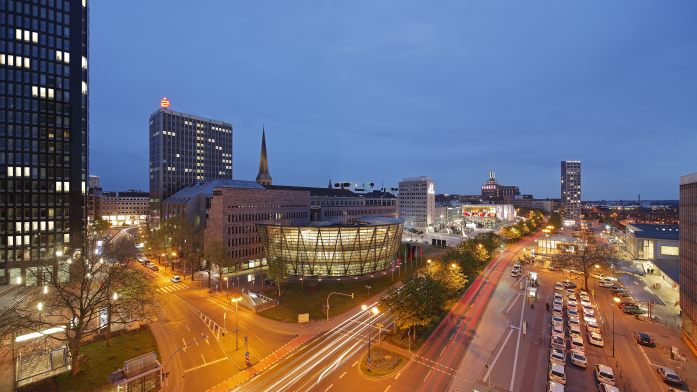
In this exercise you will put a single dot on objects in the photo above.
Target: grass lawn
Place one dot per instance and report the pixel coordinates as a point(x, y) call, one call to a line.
point(383, 362)
point(100, 361)
point(296, 301)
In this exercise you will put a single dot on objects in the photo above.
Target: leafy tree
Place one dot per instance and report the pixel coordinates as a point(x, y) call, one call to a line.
point(451, 277)
point(555, 220)
point(216, 255)
point(585, 258)
point(277, 269)
point(100, 225)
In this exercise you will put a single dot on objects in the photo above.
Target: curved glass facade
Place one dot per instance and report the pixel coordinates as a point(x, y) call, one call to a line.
point(332, 250)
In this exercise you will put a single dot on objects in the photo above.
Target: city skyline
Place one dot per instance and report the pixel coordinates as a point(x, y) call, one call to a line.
point(420, 91)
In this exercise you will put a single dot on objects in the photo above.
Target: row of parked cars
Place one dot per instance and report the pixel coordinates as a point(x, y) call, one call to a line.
point(557, 358)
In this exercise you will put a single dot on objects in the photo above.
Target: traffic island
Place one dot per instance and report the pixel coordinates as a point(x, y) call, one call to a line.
point(383, 362)
point(239, 358)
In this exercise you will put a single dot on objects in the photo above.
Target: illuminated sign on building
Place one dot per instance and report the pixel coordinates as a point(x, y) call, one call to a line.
point(670, 250)
point(164, 103)
point(430, 188)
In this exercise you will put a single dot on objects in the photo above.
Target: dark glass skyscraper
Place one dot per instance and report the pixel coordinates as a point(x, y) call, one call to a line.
point(185, 149)
point(44, 131)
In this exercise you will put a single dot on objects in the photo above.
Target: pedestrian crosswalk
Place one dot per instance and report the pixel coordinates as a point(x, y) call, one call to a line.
point(172, 288)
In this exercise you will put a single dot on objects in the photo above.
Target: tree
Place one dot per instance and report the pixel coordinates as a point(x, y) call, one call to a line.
point(217, 255)
point(555, 220)
point(585, 258)
point(277, 269)
point(100, 225)
point(83, 293)
point(451, 277)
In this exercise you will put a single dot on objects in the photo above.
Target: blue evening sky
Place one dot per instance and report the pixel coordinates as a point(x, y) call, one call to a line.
point(379, 90)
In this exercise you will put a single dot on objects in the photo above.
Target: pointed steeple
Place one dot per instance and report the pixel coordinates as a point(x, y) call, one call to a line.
point(330, 183)
point(263, 178)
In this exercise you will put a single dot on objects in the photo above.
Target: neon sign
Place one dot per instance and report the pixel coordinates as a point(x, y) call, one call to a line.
point(164, 103)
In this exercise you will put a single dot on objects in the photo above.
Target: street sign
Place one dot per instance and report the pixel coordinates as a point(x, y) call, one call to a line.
point(367, 363)
point(525, 328)
point(652, 302)
point(246, 356)
point(245, 341)
point(200, 275)
point(368, 287)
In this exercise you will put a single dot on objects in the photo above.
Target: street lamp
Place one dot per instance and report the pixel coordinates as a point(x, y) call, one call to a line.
point(237, 320)
point(617, 300)
point(375, 311)
point(227, 292)
point(40, 305)
point(429, 265)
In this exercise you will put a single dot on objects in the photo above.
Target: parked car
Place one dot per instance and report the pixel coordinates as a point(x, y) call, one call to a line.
point(569, 284)
point(574, 330)
point(572, 312)
point(558, 330)
point(602, 387)
point(595, 339)
point(605, 283)
point(669, 375)
point(578, 358)
point(559, 286)
point(592, 326)
point(558, 343)
point(633, 310)
point(643, 339)
point(558, 302)
point(269, 282)
point(557, 356)
point(589, 318)
point(623, 304)
point(576, 343)
point(558, 311)
point(604, 374)
point(557, 373)
point(155, 268)
point(621, 294)
point(176, 279)
point(574, 321)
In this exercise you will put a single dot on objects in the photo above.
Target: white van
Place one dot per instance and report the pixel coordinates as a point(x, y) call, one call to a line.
point(554, 387)
point(604, 374)
point(557, 373)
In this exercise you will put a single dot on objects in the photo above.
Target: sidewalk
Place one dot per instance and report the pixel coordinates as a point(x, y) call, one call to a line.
point(669, 313)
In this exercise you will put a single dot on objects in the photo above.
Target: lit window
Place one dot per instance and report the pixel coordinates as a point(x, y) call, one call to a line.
point(10, 171)
point(27, 172)
point(27, 35)
point(18, 35)
point(66, 57)
point(84, 87)
point(10, 60)
point(2, 59)
point(35, 37)
point(66, 187)
point(34, 91)
point(42, 92)
point(84, 62)
point(59, 55)
point(26, 62)
point(50, 93)
point(84, 3)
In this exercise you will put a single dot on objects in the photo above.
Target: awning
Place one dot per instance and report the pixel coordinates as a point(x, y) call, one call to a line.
point(626, 266)
point(638, 289)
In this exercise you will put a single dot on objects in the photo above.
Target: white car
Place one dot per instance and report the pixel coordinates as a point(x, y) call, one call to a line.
point(585, 302)
point(557, 373)
point(605, 283)
point(558, 311)
point(592, 326)
point(557, 330)
point(572, 301)
point(588, 309)
point(572, 312)
point(576, 343)
point(558, 297)
point(584, 297)
point(595, 339)
point(578, 358)
point(574, 321)
point(589, 318)
point(570, 293)
point(558, 302)
point(602, 387)
point(559, 286)
point(558, 320)
point(575, 330)
point(604, 374)
point(176, 279)
point(557, 356)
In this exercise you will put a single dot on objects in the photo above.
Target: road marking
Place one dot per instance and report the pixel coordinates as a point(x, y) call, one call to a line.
point(429, 373)
point(204, 359)
point(451, 338)
point(187, 327)
point(184, 343)
point(441, 353)
point(517, 346)
point(342, 375)
point(514, 327)
point(388, 388)
point(354, 364)
point(207, 364)
point(398, 375)
point(512, 303)
point(488, 372)
point(330, 387)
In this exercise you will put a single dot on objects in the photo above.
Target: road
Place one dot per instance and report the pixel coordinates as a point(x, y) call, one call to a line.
point(188, 313)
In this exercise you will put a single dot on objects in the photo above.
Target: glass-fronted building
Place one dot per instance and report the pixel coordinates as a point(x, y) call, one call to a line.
point(328, 249)
point(44, 131)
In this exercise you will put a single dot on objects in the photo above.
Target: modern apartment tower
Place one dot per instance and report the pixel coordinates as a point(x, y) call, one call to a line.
point(185, 149)
point(44, 131)
point(688, 258)
point(417, 202)
point(571, 189)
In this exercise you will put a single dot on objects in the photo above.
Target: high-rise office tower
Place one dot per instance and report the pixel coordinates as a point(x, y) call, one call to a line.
point(44, 131)
point(688, 258)
point(417, 202)
point(571, 189)
point(185, 149)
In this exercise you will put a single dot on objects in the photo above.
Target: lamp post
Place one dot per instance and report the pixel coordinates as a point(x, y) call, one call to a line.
point(595, 284)
point(375, 311)
point(328, 301)
point(237, 325)
point(617, 300)
point(227, 292)
point(429, 266)
point(40, 305)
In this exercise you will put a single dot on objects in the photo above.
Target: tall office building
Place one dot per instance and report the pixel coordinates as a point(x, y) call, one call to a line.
point(688, 258)
point(93, 181)
point(417, 202)
point(44, 131)
point(571, 189)
point(185, 149)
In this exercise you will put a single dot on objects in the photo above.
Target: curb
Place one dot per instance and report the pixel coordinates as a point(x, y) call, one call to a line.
point(395, 370)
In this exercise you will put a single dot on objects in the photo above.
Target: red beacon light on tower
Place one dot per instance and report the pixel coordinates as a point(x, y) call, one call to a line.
point(164, 103)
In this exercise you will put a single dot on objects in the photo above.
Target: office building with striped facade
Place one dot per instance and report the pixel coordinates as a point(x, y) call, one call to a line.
point(44, 132)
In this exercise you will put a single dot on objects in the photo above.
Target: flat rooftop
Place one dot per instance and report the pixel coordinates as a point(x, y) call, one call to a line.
point(655, 232)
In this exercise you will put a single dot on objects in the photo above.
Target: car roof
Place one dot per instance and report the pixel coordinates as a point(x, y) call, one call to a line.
point(604, 368)
point(594, 334)
point(643, 335)
point(577, 339)
point(579, 352)
point(557, 367)
point(669, 371)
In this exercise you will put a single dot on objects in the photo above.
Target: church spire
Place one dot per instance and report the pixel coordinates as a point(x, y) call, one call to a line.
point(330, 183)
point(263, 178)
